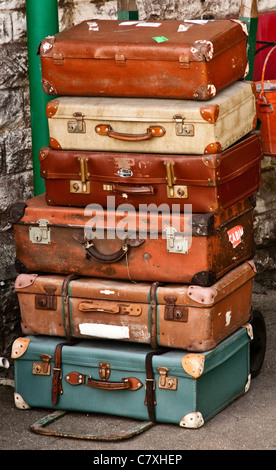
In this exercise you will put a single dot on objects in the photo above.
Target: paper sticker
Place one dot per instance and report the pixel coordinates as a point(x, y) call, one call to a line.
point(104, 331)
point(235, 235)
point(107, 292)
point(197, 21)
point(160, 39)
point(182, 28)
point(151, 25)
point(128, 23)
point(92, 26)
point(228, 318)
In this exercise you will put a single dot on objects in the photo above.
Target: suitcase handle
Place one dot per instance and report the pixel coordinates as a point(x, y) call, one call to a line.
point(129, 383)
point(152, 131)
point(124, 309)
point(268, 108)
point(121, 188)
point(114, 257)
point(40, 427)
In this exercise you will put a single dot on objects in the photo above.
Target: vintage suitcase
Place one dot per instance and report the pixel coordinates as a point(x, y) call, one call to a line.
point(173, 315)
point(153, 125)
point(210, 183)
point(131, 380)
point(148, 245)
point(265, 105)
point(164, 59)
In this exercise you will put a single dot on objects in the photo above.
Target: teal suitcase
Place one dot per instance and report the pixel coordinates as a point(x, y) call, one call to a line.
point(131, 380)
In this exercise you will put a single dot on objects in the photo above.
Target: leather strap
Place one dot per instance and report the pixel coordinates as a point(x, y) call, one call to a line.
point(153, 315)
point(65, 305)
point(150, 399)
point(57, 372)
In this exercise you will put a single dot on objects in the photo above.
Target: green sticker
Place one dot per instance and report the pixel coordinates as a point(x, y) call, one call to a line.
point(160, 39)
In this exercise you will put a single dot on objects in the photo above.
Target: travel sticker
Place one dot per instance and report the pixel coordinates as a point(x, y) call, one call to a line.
point(235, 234)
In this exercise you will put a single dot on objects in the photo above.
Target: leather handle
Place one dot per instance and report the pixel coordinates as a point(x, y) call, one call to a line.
point(262, 100)
point(41, 427)
point(129, 383)
point(113, 257)
point(123, 309)
point(123, 188)
point(152, 131)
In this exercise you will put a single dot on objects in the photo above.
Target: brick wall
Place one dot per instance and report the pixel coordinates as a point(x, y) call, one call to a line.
point(16, 179)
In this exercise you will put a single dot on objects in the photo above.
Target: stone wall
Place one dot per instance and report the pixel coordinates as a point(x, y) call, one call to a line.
point(16, 178)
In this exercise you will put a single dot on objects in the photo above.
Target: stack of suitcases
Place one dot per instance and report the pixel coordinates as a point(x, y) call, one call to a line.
point(136, 266)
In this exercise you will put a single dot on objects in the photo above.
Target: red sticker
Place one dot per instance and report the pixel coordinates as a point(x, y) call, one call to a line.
point(235, 234)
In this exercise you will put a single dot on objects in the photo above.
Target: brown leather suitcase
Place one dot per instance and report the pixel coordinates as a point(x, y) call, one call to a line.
point(173, 315)
point(125, 244)
point(211, 183)
point(164, 59)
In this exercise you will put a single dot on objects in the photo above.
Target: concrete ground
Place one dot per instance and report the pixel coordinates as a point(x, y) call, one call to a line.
point(249, 423)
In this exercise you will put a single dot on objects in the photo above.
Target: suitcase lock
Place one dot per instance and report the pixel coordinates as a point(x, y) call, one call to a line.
point(174, 312)
point(181, 128)
point(169, 383)
point(44, 367)
point(176, 243)
point(81, 186)
point(40, 234)
point(77, 126)
point(173, 190)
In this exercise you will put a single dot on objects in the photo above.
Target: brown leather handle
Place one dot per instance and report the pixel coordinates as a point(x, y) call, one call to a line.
point(123, 309)
point(113, 257)
point(129, 383)
point(152, 131)
point(123, 188)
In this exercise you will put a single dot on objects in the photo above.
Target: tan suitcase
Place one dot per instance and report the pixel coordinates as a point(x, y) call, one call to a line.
point(178, 316)
point(153, 125)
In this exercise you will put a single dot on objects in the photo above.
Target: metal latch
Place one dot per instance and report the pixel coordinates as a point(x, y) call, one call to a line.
point(42, 368)
point(58, 58)
point(78, 126)
point(104, 370)
point(173, 190)
point(175, 312)
point(169, 383)
point(181, 128)
point(120, 60)
point(40, 234)
point(46, 301)
point(176, 243)
point(82, 186)
point(184, 62)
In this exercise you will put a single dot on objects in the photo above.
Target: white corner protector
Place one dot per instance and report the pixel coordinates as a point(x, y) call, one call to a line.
point(192, 420)
point(20, 403)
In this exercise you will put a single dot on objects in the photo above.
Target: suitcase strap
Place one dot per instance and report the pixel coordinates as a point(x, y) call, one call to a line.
point(150, 399)
point(57, 372)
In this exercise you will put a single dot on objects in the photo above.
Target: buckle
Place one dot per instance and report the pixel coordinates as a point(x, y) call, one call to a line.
point(152, 386)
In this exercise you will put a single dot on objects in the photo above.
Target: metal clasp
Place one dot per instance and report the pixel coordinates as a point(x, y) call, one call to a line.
point(176, 243)
point(168, 383)
point(46, 301)
point(42, 368)
point(104, 370)
point(173, 190)
point(181, 128)
point(174, 312)
point(40, 234)
point(78, 126)
point(82, 186)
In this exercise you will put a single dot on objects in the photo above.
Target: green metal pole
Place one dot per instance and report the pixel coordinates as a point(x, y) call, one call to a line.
point(249, 14)
point(42, 21)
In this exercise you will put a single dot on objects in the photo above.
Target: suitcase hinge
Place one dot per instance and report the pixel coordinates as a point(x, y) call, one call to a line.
point(181, 128)
point(104, 370)
point(174, 312)
point(46, 301)
point(173, 190)
point(184, 62)
point(44, 367)
point(120, 60)
point(78, 125)
point(40, 234)
point(169, 383)
point(82, 186)
point(176, 244)
point(58, 58)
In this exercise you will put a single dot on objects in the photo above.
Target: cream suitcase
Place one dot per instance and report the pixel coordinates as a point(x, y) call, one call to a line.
point(153, 125)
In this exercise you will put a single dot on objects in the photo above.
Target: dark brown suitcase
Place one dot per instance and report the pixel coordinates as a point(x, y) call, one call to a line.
point(210, 183)
point(131, 245)
point(172, 315)
point(163, 59)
